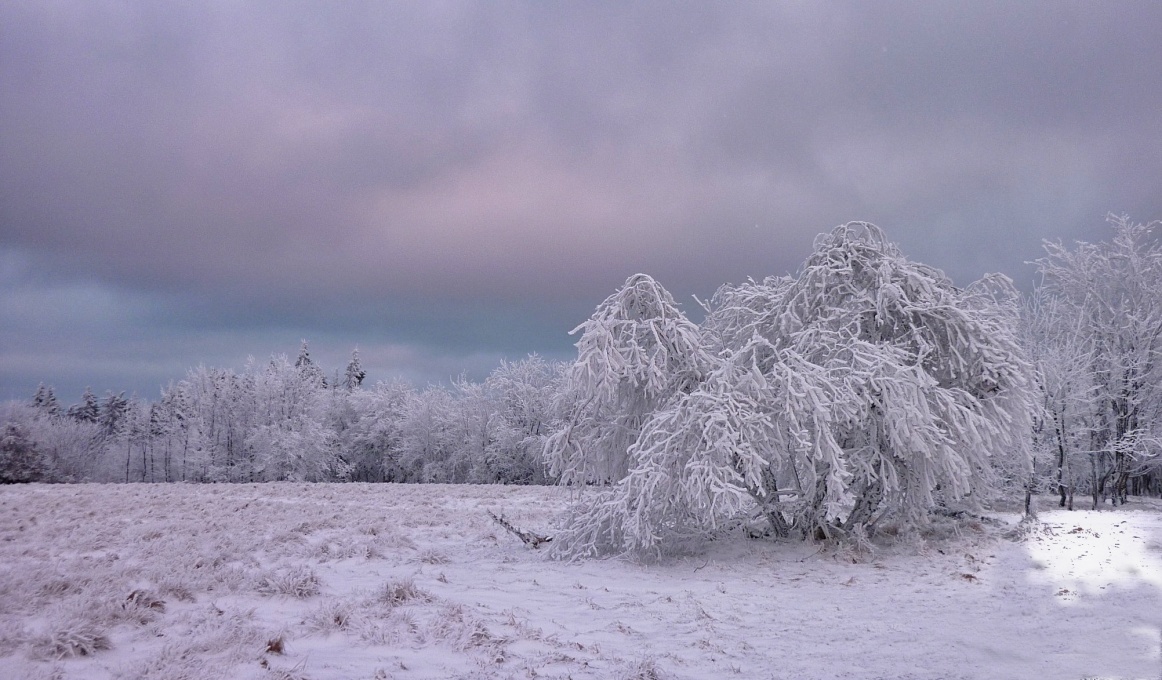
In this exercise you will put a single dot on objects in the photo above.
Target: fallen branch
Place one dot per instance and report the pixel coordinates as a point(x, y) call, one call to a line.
point(529, 538)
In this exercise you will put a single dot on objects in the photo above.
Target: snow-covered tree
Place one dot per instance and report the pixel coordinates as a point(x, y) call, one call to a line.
point(88, 410)
point(112, 415)
point(20, 459)
point(354, 375)
point(372, 441)
point(1068, 397)
point(471, 429)
point(177, 415)
point(427, 442)
point(289, 438)
point(866, 387)
point(211, 402)
point(522, 395)
point(309, 369)
point(73, 450)
point(1108, 299)
point(45, 401)
point(636, 355)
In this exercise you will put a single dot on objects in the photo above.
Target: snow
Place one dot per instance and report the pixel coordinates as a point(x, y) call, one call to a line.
point(411, 581)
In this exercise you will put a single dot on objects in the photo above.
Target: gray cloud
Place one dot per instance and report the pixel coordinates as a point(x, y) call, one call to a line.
point(459, 180)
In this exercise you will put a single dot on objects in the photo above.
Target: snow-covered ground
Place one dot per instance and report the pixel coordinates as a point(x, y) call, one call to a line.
point(385, 581)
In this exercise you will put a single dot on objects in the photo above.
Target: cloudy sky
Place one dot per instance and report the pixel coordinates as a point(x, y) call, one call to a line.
point(446, 184)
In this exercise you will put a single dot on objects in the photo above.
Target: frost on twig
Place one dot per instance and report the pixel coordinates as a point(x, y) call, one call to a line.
point(529, 537)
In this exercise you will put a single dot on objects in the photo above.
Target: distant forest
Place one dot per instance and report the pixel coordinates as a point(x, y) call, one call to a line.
point(1087, 344)
point(283, 420)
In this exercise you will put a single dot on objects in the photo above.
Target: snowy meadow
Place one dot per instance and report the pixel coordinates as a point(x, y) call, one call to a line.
point(417, 581)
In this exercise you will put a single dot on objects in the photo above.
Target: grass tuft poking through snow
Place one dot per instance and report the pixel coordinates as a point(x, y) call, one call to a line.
point(645, 669)
point(298, 581)
point(331, 616)
point(66, 643)
point(395, 593)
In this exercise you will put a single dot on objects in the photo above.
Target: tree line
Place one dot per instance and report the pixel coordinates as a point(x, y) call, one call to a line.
point(282, 420)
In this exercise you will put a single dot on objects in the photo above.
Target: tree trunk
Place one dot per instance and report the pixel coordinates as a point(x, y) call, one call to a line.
point(1093, 470)
point(866, 504)
point(1060, 426)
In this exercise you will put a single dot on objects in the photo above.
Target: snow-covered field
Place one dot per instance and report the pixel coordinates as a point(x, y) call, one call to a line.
point(385, 581)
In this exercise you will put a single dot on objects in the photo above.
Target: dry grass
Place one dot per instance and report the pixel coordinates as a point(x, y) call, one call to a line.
point(395, 593)
point(67, 643)
point(184, 581)
point(297, 581)
point(331, 616)
point(644, 669)
point(206, 580)
point(432, 556)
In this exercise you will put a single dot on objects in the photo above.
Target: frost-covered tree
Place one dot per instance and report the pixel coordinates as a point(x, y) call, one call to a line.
point(289, 438)
point(209, 401)
point(72, 450)
point(20, 459)
point(1068, 397)
point(177, 413)
point(112, 416)
point(354, 375)
point(309, 369)
point(636, 355)
point(522, 395)
point(1108, 296)
point(372, 441)
point(427, 443)
point(45, 401)
point(472, 428)
point(88, 411)
point(866, 387)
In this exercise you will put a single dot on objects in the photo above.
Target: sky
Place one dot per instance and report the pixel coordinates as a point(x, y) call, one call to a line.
point(446, 185)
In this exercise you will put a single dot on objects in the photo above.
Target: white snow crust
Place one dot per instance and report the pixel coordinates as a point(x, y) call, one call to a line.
point(301, 581)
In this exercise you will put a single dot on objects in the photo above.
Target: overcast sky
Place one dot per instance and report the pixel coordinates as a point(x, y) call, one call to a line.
point(446, 184)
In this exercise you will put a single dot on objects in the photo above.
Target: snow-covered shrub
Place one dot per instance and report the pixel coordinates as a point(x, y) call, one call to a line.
point(865, 387)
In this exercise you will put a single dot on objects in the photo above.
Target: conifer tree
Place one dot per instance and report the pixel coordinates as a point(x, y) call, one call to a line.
point(309, 370)
point(88, 411)
point(20, 459)
point(354, 375)
point(45, 401)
